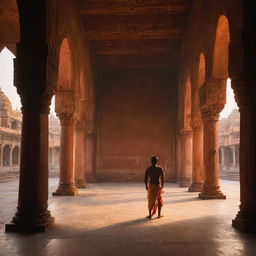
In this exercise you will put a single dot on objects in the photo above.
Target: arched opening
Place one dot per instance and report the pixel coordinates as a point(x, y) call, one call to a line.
point(65, 67)
point(229, 124)
point(187, 106)
point(15, 156)
point(220, 57)
point(201, 70)
point(6, 155)
point(65, 107)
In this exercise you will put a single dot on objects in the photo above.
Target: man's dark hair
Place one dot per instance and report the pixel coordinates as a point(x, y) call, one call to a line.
point(154, 159)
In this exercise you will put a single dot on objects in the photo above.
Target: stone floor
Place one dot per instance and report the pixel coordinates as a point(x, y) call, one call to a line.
point(109, 219)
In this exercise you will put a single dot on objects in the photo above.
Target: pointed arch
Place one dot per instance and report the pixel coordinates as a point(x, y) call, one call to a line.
point(220, 56)
point(65, 67)
point(187, 105)
point(201, 70)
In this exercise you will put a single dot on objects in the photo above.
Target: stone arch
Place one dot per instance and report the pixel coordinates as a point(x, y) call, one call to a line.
point(201, 70)
point(15, 155)
point(221, 46)
point(65, 66)
point(6, 155)
point(64, 101)
point(10, 26)
point(187, 106)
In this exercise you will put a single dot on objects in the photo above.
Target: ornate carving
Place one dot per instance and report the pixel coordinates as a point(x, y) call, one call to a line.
point(213, 92)
point(245, 91)
point(212, 99)
point(66, 118)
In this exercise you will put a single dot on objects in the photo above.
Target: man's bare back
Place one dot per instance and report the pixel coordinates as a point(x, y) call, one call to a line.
point(154, 173)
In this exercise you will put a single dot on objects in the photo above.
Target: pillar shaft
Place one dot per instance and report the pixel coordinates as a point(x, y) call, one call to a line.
point(80, 155)
point(66, 185)
point(32, 214)
point(211, 188)
point(222, 152)
point(197, 171)
point(186, 168)
point(246, 217)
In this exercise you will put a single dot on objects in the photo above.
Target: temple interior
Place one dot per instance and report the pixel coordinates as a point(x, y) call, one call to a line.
point(131, 80)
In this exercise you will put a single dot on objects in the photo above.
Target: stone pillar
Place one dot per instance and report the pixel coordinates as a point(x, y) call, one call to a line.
point(233, 156)
point(212, 101)
point(66, 185)
point(222, 152)
point(197, 171)
point(186, 167)
point(32, 212)
point(80, 154)
point(245, 92)
point(10, 156)
point(1, 155)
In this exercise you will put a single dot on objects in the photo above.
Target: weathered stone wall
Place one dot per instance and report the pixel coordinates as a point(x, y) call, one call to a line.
point(135, 120)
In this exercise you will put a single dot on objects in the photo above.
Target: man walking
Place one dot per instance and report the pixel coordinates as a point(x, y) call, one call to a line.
point(154, 182)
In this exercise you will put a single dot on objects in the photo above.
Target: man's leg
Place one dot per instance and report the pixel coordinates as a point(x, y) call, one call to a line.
point(159, 209)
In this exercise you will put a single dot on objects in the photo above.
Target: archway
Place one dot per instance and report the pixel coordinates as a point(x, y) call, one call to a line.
point(65, 109)
point(6, 155)
point(15, 156)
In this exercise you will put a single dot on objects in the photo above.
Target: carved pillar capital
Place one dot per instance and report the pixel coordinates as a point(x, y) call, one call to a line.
point(212, 98)
point(212, 113)
point(66, 119)
point(245, 91)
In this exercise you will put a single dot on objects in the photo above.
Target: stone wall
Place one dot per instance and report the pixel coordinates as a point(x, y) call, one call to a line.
point(136, 119)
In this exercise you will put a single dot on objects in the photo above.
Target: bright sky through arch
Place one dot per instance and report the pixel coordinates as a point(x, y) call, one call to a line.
point(6, 80)
point(230, 101)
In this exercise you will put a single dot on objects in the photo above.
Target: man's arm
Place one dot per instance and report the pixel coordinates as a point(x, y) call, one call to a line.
point(162, 178)
point(146, 179)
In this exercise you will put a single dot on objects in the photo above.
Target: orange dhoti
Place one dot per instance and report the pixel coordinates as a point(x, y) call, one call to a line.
point(154, 197)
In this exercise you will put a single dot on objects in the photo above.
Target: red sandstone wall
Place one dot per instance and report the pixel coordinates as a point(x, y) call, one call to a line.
point(135, 120)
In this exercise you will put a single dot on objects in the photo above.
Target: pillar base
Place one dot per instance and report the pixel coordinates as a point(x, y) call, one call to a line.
point(185, 182)
point(196, 187)
point(217, 195)
point(81, 184)
point(30, 222)
point(66, 190)
point(244, 223)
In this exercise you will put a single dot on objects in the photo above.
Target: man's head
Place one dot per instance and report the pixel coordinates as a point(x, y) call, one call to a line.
point(154, 160)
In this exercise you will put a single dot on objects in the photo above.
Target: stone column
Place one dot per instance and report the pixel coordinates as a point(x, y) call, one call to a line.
point(197, 171)
point(212, 101)
point(10, 156)
point(186, 166)
point(80, 154)
point(1, 155)
point(234, 156)
point(32, 214)
point(66, 185)
point(222, 152)
point(245, 92)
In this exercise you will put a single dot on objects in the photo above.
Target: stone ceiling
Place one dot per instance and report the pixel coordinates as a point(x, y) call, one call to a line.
point(135, 33)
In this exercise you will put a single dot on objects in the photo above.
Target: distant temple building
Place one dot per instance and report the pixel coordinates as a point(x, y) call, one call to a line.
point(10, 137)
point(229, 140)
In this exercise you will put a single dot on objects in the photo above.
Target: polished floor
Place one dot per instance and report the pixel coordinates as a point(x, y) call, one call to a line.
point(109, 219)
